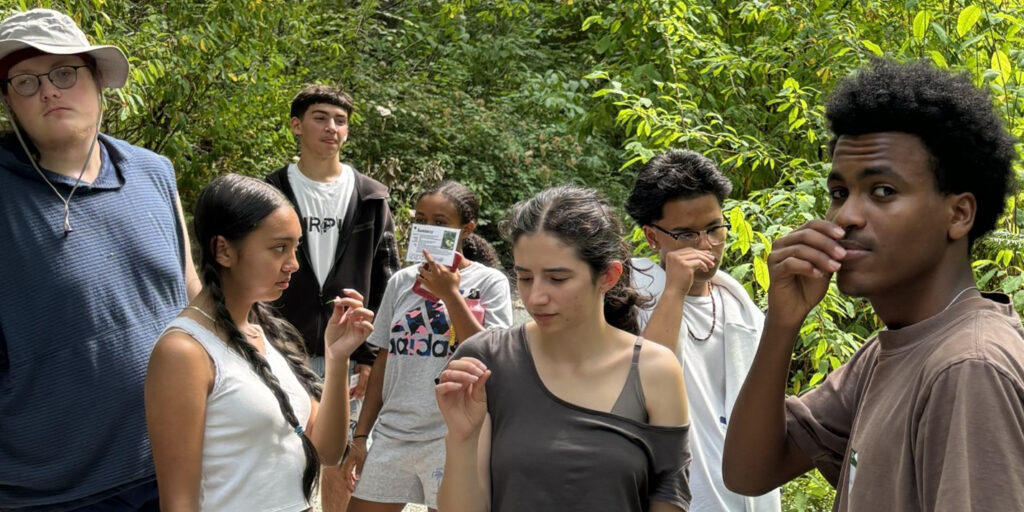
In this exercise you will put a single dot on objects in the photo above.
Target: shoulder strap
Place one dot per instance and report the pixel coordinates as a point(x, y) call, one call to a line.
point(636, 351)
point(631, 402)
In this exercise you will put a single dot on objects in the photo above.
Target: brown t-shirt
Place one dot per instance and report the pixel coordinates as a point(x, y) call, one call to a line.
point(927, 417)
point(548, 454)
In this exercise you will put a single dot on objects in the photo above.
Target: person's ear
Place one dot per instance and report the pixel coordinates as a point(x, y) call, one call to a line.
point(223, 252)
point(610, 276)
point(651, 237)
point(467, 229)
point(962, 209)
point(296, 125)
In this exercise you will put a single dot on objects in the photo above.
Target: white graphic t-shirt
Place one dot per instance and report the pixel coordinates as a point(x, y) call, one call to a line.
point(322, 210)
point(415, 333)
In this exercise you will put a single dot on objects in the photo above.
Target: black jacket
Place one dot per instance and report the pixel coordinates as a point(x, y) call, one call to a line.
point(365, 259)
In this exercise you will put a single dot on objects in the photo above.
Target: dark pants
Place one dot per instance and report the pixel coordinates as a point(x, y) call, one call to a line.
point(141, 498)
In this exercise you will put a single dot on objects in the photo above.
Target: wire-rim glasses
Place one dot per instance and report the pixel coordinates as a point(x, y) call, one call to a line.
point(62, 77)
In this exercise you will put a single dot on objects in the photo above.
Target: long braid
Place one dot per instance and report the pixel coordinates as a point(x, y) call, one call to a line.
point(289, 343)
point(236, 341)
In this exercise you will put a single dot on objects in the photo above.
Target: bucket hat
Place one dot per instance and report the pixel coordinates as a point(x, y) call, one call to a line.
point(56, 33)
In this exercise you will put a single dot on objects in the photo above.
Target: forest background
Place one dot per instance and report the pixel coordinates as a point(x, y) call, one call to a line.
point(512, 96)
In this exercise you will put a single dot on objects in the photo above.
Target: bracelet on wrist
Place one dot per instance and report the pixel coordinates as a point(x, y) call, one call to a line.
point(357, 436)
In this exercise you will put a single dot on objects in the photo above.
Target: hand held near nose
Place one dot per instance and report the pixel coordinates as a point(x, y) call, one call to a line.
point(682, 266)
point(800, 267)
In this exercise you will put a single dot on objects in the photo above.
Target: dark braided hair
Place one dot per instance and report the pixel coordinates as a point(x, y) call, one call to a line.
point(232, 206)
point(584, 220)
point(474, 247)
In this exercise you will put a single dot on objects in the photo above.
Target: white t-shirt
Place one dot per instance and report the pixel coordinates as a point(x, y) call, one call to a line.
point(322, 209)
point(416, 334)
point(707, 370)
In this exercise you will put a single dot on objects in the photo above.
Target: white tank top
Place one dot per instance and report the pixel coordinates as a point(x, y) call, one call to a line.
point(252, 458)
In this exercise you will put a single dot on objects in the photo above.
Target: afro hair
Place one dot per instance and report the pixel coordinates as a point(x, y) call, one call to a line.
point(970, 147)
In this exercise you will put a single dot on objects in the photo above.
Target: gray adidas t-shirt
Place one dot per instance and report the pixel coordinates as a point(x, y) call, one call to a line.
point(415, 334)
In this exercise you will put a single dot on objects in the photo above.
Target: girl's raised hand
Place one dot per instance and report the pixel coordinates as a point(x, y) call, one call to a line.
point(348, 327)
point(462, 396)
point(438, 279)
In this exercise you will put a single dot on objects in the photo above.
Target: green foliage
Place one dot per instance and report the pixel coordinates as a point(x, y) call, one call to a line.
point(511, 96)
point(810, 492)
point(744, 83)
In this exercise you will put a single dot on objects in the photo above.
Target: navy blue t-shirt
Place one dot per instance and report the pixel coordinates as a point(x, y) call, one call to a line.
point(79, 315)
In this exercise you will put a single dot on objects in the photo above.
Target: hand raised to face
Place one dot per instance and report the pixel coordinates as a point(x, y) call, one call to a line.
point(801, 265)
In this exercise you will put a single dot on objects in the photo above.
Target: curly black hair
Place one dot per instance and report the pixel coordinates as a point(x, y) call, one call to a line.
point(970, 148)
point(676, 174)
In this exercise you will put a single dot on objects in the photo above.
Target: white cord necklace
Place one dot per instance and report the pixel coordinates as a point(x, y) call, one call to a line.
point(78, 180)
point(957, 296)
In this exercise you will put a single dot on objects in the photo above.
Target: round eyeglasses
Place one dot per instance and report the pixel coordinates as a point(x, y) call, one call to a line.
point(63, 77)
point(715, 235)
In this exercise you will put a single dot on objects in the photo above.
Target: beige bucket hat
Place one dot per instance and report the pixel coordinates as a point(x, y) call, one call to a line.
point(56, 33)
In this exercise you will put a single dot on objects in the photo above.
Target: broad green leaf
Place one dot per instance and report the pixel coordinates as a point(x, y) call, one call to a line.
point(967, 19)
point(940, 32)
point(1001, 63)
point(1012, 284)
point(1003, 257)
point(921, 22)
point(938, 59)
point(874, 48)
point(743, 237)
point(761, 273)
point(816, 378)
point(986, 278)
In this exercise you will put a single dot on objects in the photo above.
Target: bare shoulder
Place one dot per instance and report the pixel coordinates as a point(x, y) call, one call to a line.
point(179, 353)
point(657, 361)
point(664, 390)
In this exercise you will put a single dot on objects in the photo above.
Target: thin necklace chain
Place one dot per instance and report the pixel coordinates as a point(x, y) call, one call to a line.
point(198, 309)
point(714, 317)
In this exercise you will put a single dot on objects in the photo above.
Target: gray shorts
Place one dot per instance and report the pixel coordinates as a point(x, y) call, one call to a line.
point(399, 471)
